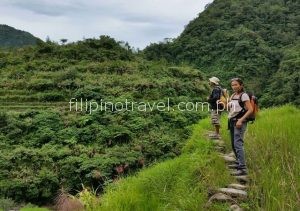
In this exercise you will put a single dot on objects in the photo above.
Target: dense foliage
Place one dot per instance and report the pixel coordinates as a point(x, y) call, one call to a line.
point(45, 147)
point(255, 40)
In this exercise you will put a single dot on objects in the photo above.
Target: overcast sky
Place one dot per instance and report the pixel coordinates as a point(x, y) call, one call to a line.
point(139, 22)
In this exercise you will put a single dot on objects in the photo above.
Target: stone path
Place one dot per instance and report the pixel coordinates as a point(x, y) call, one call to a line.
point(233, 193)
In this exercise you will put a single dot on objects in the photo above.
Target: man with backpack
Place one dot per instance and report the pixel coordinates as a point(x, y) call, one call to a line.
point(215, 106)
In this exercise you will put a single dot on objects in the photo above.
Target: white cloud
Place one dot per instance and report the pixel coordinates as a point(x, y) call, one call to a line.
point(139, 22)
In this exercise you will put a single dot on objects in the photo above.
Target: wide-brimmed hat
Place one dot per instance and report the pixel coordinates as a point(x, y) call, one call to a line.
point(214, 80)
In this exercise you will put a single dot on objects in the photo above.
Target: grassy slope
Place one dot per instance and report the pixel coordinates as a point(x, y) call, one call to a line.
point(177, 184)
point(272, 150)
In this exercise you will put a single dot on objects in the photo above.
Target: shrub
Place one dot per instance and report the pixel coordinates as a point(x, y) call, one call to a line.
point(41, 84)
point(51, 96)
point(6, 204)
point(3, 119)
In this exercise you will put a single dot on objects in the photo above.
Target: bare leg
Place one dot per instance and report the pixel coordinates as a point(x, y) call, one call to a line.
point(217, 129)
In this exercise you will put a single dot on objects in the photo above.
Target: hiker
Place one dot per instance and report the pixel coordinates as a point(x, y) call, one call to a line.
point(239, 109)
point(215, 108)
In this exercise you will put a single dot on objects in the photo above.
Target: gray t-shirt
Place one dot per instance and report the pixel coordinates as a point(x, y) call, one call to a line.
point(234, 106)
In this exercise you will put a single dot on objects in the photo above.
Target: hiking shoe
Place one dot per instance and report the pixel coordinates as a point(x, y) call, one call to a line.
point(239, 172)
point(236, 162)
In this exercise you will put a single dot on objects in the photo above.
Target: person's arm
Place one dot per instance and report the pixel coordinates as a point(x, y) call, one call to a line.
point(248, 113)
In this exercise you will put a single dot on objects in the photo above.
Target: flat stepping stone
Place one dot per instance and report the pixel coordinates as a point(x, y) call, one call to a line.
point(221, 197)
point(242, 179)
point(233, 166)
point(208, 132)
point(220, 148)
point(235, 172)
point(238, 186)
point(235, 193)
point(219, 143)
point(235, 207)
point(231, 154)
point(215, 139)
point(228, 159)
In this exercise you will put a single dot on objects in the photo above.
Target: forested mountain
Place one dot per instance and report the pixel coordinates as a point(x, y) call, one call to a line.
point(11, 37)
point(255, 40)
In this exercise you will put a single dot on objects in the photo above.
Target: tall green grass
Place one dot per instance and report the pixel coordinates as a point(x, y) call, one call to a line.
point(182, 183)
point(273, 152)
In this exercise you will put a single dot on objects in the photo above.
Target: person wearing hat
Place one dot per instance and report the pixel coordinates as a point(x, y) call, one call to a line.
point(215, 95)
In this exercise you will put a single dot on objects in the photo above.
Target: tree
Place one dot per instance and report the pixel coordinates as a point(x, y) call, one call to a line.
point(63, 41)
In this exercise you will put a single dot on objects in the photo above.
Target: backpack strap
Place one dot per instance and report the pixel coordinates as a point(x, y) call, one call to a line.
point(231, 96)
point(240, 98)
point(241, 103)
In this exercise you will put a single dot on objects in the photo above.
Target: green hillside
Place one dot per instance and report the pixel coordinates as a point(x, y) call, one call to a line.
point(45, 146)
point(255, 40)
point(11, 37)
